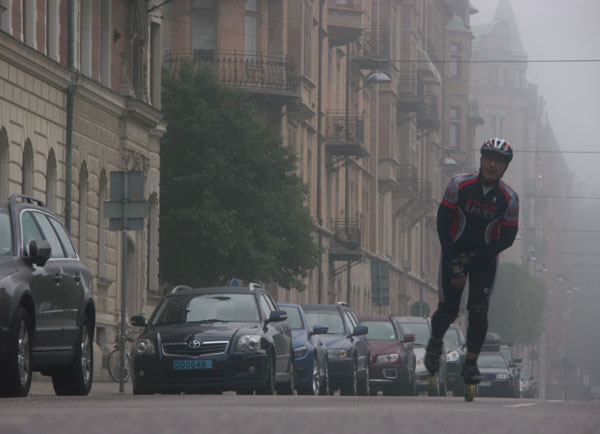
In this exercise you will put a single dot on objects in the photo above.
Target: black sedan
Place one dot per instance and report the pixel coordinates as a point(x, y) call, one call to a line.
point(496, 376)
point(214, 339)
point(456, 353)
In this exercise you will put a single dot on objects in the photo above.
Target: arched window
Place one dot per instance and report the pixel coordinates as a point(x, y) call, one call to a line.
point(153, 244)
point(102, 225)
point(51, 181)
point(27, 169)
point(83, 190)
point(3, 164)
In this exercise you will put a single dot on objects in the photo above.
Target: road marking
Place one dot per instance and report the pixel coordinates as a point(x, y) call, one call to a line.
point(529, 404)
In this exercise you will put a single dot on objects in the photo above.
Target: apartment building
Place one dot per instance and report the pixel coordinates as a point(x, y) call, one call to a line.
point(80, 98)
point(356, 87)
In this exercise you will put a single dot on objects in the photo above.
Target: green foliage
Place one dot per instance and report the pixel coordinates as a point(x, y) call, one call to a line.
point(231, 203)
point(517, 305)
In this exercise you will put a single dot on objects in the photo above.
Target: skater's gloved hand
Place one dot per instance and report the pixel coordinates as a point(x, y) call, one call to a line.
point(458, 276)
point(466, 259)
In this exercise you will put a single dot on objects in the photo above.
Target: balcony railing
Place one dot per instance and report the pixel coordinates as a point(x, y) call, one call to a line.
point(241, 69)
point(428, 117)
point(407, 177)
point(411, 90)
point(371, 48)
point(424, 190)
point(347, 233)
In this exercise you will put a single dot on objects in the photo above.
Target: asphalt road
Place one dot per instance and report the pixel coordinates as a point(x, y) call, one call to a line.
point(106, 410)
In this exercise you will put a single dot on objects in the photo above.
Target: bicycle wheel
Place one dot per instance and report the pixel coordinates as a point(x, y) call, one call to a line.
point(114, 365)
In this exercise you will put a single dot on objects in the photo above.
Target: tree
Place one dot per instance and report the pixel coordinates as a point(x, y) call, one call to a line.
point(517, 305)
point(231, 202)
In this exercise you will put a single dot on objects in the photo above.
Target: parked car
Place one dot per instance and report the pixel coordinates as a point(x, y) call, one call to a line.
point(347, 347)
point(493, 343)
point(310, 352)
point(496, 376)
point(456, 353)
point(214, 339)
point(527, 384)
point(47, 313)
point(392, 362)
point(421, 328)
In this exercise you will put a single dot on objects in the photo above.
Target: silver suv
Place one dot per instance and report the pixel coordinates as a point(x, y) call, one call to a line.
point(47, 313)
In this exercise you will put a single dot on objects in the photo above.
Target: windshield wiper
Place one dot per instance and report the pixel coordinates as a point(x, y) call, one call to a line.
point(211, 320)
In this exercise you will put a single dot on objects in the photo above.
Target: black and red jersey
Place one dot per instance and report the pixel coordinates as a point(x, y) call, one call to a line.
point(477, 220)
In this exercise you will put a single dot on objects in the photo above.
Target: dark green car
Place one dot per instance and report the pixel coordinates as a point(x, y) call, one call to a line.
point(47, 314)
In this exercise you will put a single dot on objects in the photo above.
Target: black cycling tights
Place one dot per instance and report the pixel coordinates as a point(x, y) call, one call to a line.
point(481, 284)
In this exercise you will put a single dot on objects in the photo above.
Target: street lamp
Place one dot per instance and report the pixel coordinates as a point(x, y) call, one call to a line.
point(448, 162)
point(378, 78)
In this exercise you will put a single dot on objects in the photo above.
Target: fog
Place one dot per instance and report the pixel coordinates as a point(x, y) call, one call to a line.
point(569, 30)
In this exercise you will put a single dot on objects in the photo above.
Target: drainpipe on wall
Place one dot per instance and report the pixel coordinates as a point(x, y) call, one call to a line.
point(70, 114)
point(319, 150)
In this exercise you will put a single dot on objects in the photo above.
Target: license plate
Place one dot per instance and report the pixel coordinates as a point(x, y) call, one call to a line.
point(191, 364)
point(485, 384)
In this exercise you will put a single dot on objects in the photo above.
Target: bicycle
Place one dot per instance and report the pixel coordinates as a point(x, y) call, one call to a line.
point(114, 358)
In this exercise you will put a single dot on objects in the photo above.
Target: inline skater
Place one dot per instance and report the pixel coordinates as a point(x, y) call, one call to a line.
point(477, 219)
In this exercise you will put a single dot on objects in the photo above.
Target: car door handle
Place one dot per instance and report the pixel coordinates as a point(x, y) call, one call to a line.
point(57, 278)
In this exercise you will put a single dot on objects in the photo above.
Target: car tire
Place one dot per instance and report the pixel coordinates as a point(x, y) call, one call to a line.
point(363, 385)
point(289, 387)
point(436, 390)
point(269, 386)
point(141, 390)
point(325, 388)
point(15, 373)
point(315, 384)
point(349, 389)
point(443, 388)
point(77, 377)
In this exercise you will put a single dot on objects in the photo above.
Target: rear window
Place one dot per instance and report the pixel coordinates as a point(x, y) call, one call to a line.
point(420, 330)
point(380, 330)
point(330, 319)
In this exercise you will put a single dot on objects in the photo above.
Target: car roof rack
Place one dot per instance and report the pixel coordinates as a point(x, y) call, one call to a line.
point(253, 286)
point(180, 288)
point(343, 303)
point(29, 199)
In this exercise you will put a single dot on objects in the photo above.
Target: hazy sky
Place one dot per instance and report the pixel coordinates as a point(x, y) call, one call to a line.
point(563, 29)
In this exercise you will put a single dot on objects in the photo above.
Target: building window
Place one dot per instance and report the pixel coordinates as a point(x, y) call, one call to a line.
point(308, 37)
point(3, 163)
point(102, 189)
point(155, 67)
point(153, 244)
point(29, 14)
point(251, 29)
point(492, 75)
point(454, 60)
point(204, 31)
point(496, 126)
point(52, 32)
point(454, 130)
point(27, 173)
point(86, 37)
point(83, 190)
point(453, 112)
point(105, 41)
point(51, 181)
point(5, 18)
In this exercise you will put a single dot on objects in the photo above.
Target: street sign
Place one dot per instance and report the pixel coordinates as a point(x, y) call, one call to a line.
point(137, 207)
point(135, 186)
point(420, 308)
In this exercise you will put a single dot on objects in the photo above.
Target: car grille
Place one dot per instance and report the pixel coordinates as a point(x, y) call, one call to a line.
point(487, 377)
point(206, 348)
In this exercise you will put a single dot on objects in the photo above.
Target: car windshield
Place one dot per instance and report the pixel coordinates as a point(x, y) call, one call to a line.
point(294, 320)
point(331, 319)
point(207, 308)
point(380, 330)
point(5, 236)
point(420, 330)
point(491, 361)
point(451, 340)
point(506, 353)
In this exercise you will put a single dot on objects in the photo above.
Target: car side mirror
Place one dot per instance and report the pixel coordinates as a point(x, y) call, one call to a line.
point(319, 330)
point(39, 252)
point(138, 321)
point(360, 330)
point(408, 338)
point(277, 316)
point(518, 360)
point(512, 365)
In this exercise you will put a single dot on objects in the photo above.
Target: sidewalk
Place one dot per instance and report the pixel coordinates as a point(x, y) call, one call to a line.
point(42, 386)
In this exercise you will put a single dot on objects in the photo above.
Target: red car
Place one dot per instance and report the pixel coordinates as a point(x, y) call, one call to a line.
point(392, 363)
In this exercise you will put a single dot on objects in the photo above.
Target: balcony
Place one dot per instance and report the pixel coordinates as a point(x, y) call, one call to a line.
point(387, 175)
point(344, 21)
point(346, 240)
point(428, 118)
point(271, 78)
point(411, 90)
point(371, 49)
point(407, 180)
point(423, 204)
point(344, 134)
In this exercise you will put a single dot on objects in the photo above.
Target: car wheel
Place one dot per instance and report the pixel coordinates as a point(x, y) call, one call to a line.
point(289, 387)
point(435, 391)
point(414, 391)
point(315, 384)
point(76, 379)
point(325, 389)
point(349, 388)
point(443, 388)
point(15, 374)
point(269, 387)
point(363, 386)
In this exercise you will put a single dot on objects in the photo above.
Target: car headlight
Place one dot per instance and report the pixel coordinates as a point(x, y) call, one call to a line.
point(452, 356)
point(248, 343)
point(387, 358)
point(300, 352)
point(145, 346)
point(338, 353)
point(501, 376)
